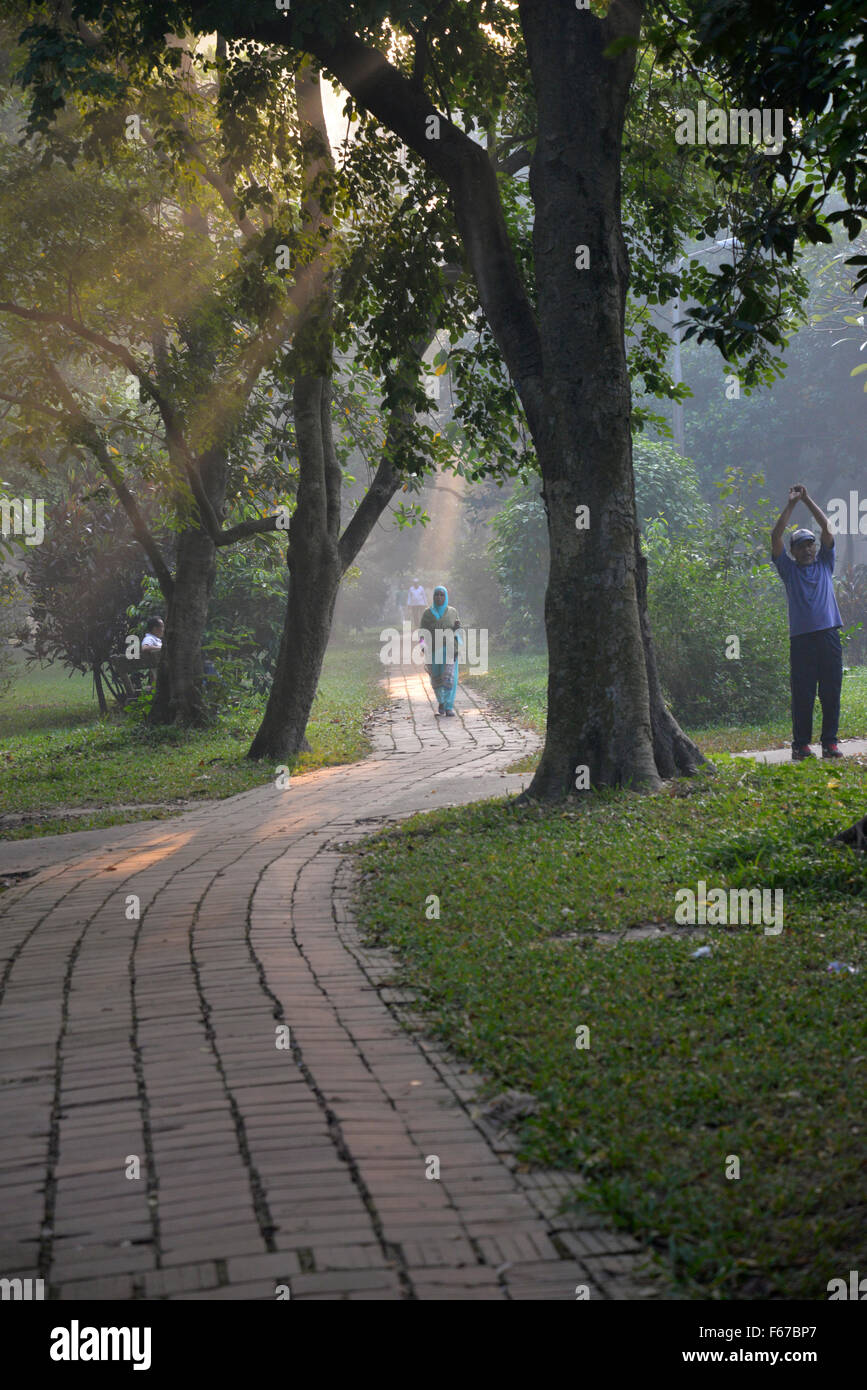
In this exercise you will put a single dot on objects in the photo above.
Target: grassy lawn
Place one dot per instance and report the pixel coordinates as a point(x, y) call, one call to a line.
point(516, 685)
point(757, 1051)
point(57, 754)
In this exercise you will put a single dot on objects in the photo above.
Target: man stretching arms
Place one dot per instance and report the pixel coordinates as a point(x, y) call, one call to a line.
point(815, 651)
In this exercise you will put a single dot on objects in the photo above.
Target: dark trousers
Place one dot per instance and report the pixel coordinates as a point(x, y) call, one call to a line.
point(816, 660)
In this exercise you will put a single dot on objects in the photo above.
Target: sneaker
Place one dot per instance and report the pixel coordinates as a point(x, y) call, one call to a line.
point(831, 750)
point(441, 709)
point(450, 713)
point(799, 753)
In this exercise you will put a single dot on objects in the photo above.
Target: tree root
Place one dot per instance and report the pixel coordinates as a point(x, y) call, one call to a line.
point(855, 835)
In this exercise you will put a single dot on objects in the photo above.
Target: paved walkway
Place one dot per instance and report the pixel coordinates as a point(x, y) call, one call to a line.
point(158, 1142)
point(850, 747)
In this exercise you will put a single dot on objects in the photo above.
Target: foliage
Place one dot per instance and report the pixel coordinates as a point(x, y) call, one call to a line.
point(783, 430)
point(666, 485)
point(519, 552)
point(850, 584)
point(710, 580)
point(809, 60)
point(716, 608)
point(81, 580)
point(9, 623)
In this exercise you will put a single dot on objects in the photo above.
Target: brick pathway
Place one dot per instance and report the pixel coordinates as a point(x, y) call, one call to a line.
point(149, 1044)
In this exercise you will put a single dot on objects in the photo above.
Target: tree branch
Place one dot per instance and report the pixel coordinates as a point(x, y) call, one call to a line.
point(463, 165)
point(107, 345)
point(387, 478)
point(82, 430)
point(254, 527)
point(511, 163)
point(34, 405)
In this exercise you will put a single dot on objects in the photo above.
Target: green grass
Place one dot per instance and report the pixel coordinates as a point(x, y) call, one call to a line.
point(756, 1051)
point(516, 684)
point(56, 753)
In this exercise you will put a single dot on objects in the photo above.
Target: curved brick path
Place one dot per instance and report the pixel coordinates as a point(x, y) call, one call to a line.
point(156, 1039)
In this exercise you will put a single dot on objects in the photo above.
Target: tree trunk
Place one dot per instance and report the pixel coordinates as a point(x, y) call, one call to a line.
point(97, 685)
point(179, 695)
point(566, 356)
point(674, 753)
point(313, 585)
point(855, 835)
point(315, 572)
point(605, 708)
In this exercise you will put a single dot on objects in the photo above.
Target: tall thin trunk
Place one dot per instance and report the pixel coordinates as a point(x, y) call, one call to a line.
point(315, 572)
point(97, 685)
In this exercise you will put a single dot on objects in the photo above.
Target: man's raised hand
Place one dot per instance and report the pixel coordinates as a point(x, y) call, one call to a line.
point(797, 493)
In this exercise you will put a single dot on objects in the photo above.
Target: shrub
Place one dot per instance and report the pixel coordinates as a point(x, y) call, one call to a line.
point(9, 624)
point(851, 587)
point(713, 590)
point(81, 580)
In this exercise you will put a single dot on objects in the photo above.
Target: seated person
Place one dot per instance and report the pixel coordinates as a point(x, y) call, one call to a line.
point(153, 634)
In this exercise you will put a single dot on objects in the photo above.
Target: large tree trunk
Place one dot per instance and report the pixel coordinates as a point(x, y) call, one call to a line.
point(179, 694)
point(605, 708)
point(567, 358)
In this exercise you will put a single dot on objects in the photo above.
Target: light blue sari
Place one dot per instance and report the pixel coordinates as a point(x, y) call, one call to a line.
point(444, 674)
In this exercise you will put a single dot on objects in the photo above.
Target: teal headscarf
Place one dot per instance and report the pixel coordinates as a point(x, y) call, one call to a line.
point(438, 612)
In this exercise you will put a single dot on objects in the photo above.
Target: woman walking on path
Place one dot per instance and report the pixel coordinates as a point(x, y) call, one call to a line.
point(442, 623)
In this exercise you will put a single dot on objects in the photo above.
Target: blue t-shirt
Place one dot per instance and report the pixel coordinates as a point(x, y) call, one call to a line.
point(810, 591)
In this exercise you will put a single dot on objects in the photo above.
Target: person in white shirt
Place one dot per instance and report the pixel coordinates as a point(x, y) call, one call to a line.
point(154, 634)
point(416, 602)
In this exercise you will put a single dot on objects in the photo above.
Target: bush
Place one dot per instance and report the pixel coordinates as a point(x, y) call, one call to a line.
point(713, 590)
point(519, 551)
point(81, 580)
point(851, 587)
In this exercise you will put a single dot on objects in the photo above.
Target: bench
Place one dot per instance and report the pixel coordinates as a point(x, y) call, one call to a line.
point(131, 673)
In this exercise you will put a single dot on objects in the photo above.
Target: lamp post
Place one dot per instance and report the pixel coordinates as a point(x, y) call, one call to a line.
point(727, 243)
